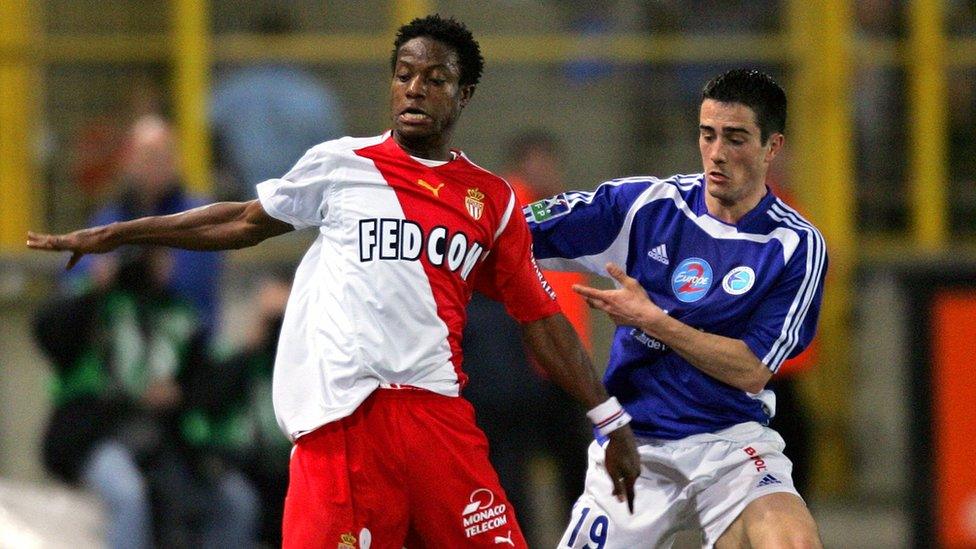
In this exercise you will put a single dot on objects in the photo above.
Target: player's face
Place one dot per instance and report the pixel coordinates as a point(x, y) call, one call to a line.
point(425, 95)
point(733, 155)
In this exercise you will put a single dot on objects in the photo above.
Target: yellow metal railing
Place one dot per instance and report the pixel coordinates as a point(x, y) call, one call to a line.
point(818, 46)
point(191, 67)
point(18, 123)
point(928, 174)
point(822, 133)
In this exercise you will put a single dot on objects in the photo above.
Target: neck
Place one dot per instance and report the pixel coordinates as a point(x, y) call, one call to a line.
point(732, 211)
point(432, 148)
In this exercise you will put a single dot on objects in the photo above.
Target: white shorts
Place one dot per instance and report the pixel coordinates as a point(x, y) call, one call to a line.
point(699, 482)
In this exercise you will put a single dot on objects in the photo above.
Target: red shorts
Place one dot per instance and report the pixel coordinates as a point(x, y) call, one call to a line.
point(408, 468)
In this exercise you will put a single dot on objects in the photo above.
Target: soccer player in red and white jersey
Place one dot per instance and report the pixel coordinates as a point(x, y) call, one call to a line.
point(367, 377)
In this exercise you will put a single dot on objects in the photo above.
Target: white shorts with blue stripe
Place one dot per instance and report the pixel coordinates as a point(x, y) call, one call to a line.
point(699, 482)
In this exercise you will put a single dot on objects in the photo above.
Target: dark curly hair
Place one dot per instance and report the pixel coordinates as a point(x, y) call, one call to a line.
point(756, 90)
point(451, 32)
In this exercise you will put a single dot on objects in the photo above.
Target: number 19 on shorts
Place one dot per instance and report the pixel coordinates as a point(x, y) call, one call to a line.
point(595, 532)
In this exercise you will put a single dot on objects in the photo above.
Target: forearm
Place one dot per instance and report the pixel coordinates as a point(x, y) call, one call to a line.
point(724, 358)
point(219, 226)
point(556, 347)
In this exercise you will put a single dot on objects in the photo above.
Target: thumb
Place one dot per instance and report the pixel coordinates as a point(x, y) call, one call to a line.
point(75, 257)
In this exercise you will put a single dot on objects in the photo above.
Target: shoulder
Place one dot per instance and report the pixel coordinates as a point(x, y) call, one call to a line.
point(676, 186)
point(786, 218)
point(642, 189)
point(785, 215)
point(345, 145)
point(494, 185)
point(336, 152)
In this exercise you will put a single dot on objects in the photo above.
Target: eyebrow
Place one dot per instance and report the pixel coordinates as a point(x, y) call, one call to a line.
point(401, 61)
point(726, 130)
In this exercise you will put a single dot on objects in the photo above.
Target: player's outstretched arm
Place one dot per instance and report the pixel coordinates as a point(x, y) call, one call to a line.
point(726, 359)
point(556, 346)
point(219, 226)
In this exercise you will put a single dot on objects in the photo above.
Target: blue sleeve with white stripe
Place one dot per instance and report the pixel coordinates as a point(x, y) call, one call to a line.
point(576, 231)
point(785, 320)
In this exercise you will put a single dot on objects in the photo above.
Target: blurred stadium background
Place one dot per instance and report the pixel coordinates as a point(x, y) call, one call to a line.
point(881, 156)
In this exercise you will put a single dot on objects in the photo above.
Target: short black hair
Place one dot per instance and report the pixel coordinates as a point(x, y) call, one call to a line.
point(756, 90)
point(451, 32)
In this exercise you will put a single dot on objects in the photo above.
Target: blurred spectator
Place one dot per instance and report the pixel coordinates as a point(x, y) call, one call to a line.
point(534, 170)
point(266, 116)
point(118, 354)
point(94, 154)
point(151, 185)
point(507, 390)
point(232, 423)
point(95, 151)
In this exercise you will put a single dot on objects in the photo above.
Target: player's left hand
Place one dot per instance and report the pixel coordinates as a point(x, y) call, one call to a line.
point(96, 240)
point(623, 464)
point(627, 305)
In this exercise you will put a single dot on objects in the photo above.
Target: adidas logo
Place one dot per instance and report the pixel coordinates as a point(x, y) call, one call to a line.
point(660, 254)
point(767, 480)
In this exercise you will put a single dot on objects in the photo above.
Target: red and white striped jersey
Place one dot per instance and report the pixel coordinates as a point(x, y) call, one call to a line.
point(380, 297)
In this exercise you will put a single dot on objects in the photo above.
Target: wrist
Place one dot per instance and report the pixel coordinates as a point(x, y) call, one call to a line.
point(652, 324)
point(608, 416)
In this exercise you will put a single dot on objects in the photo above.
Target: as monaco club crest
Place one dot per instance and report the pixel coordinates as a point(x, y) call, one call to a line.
point(475, 204)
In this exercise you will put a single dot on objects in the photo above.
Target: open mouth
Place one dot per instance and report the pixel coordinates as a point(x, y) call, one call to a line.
point(413, 116)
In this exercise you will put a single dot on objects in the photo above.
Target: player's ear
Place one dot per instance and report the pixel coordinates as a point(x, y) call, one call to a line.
point(467, 92)
point(775, 143)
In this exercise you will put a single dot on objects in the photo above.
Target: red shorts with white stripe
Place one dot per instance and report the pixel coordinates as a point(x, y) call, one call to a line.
point(409, 468)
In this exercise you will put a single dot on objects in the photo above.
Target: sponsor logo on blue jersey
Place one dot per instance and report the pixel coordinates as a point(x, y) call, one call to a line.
point(648, 341)
point(547, 208)
point(739, 280)
point(659, 254)
point(691, 279)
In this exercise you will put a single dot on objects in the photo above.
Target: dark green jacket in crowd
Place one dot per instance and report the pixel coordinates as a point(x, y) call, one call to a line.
point(232, 416)
point(106, 348)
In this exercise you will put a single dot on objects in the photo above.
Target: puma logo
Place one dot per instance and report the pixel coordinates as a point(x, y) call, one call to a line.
point(429, 187)
point(505, 539)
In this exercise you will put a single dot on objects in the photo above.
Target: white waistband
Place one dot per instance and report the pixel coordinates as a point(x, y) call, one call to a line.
point(741, 432)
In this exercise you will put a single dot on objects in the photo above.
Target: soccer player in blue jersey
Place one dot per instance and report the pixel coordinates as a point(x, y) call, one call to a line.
point(717, 283)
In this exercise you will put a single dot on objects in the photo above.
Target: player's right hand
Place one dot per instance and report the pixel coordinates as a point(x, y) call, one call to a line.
point(623, 464)
point(96, 240)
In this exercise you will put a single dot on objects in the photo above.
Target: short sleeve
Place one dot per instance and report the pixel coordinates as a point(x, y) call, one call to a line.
point(299, 197)
point(786, 320)
point(511, 275)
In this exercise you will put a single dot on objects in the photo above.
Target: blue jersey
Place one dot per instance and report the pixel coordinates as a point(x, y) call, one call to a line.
point(759, 280)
